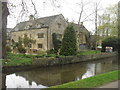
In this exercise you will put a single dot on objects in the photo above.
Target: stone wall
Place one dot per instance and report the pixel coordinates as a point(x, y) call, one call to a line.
point(33, 34)
point(69, 59)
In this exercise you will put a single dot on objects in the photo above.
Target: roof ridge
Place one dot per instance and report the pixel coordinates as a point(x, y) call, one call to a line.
point(41, 18)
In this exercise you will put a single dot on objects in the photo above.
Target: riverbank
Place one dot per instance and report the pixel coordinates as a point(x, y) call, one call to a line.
point(23, 59)
point(92, 82)
point(30, 63)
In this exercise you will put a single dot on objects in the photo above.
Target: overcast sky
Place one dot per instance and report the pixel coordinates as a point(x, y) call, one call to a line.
point(69, 8)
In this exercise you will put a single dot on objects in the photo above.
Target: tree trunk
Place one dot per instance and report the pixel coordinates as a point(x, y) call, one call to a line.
point(0, 30)
point(3, 28)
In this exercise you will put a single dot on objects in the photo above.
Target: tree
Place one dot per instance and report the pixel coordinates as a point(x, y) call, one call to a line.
point(111, 42)
point(27, 42)
point(3, 27)
point(25, 8)
point(56, 43)
point(69, 46)
point(118, 18)
point(109, 24)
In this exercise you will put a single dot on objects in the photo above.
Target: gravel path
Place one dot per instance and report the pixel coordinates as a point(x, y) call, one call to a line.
point(114, 84)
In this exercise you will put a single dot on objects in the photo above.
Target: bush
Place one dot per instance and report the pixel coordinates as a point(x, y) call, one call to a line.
point(41, 52)
point(56, 43)
point(51, 55)
point(51, 51)
point(8, 49)
point(21, 50)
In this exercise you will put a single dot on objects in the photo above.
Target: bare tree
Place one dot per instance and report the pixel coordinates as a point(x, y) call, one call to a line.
point(83, 6)
point(25, 8)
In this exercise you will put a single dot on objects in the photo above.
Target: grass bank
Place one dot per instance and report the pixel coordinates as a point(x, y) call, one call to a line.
point(16, 60)
point(90, 52)
point(23, 59)
point(92, 82)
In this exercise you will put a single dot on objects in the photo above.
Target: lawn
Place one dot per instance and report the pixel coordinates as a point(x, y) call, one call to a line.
point(92, 82)
point(16, 60)
point(88, 52)
point(21, 59)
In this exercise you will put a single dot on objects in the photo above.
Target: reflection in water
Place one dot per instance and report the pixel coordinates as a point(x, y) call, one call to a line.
point(45, 77)
point(13, 81)
point(90, 71)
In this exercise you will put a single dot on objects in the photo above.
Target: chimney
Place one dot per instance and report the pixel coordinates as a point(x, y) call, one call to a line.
point(81, 23)
point(31, 18)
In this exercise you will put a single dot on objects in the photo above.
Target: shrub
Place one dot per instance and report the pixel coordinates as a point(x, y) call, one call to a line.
point(51, 55)
point(111, 42)
point(56, 43)
point(41, 52)
point(51, 51)
point(8, 49)
point(21, 49)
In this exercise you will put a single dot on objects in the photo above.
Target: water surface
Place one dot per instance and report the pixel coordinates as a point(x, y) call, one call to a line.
point(51, 76)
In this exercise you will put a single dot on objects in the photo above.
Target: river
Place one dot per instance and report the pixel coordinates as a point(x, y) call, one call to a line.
point(51, 76)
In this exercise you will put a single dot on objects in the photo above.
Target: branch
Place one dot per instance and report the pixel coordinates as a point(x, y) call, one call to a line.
point(34, 7)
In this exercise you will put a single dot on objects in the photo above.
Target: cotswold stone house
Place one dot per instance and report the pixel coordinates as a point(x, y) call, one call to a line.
point(41, 31)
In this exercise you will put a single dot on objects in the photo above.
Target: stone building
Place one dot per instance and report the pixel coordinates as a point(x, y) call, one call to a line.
point(41, 31)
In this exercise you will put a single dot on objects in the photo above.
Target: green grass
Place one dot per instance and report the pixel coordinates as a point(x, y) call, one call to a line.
point(92, 82)
point(17, 60)
point(21, 59)
point(88, 52)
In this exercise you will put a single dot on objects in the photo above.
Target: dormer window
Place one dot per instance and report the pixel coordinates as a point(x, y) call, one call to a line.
point(27, 27)
point(30, 26)
point(59, 25)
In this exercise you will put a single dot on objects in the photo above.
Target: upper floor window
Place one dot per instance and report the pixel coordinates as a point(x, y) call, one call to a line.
point(30, 45)
point(40, 35)
point(59, 36)
point(59, 25)
point(25, 35)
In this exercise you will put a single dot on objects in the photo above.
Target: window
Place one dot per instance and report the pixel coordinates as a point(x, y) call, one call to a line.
point(40, 45)
point(59, 36)
point(25, 35)
point(59, 25)
point(30, 45)
point(40, 35)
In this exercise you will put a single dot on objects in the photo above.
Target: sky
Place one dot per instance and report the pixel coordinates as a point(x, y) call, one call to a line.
point(69, 8)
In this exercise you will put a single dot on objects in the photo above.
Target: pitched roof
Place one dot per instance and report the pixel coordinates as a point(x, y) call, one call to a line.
point(38, 23)
point(80, 28)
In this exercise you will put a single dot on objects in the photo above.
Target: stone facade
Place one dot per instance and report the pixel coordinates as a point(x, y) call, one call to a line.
point(46, 26)
point(33, 34)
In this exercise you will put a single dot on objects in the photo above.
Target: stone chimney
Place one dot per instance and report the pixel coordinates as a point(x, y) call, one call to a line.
point(31, 18)
point(81, 23)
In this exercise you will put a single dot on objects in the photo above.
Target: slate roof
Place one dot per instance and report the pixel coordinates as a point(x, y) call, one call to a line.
point(81, 28)
point(38, 23)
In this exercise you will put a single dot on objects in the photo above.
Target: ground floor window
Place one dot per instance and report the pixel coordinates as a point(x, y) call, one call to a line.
point(40, 45)
point(83, 46)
